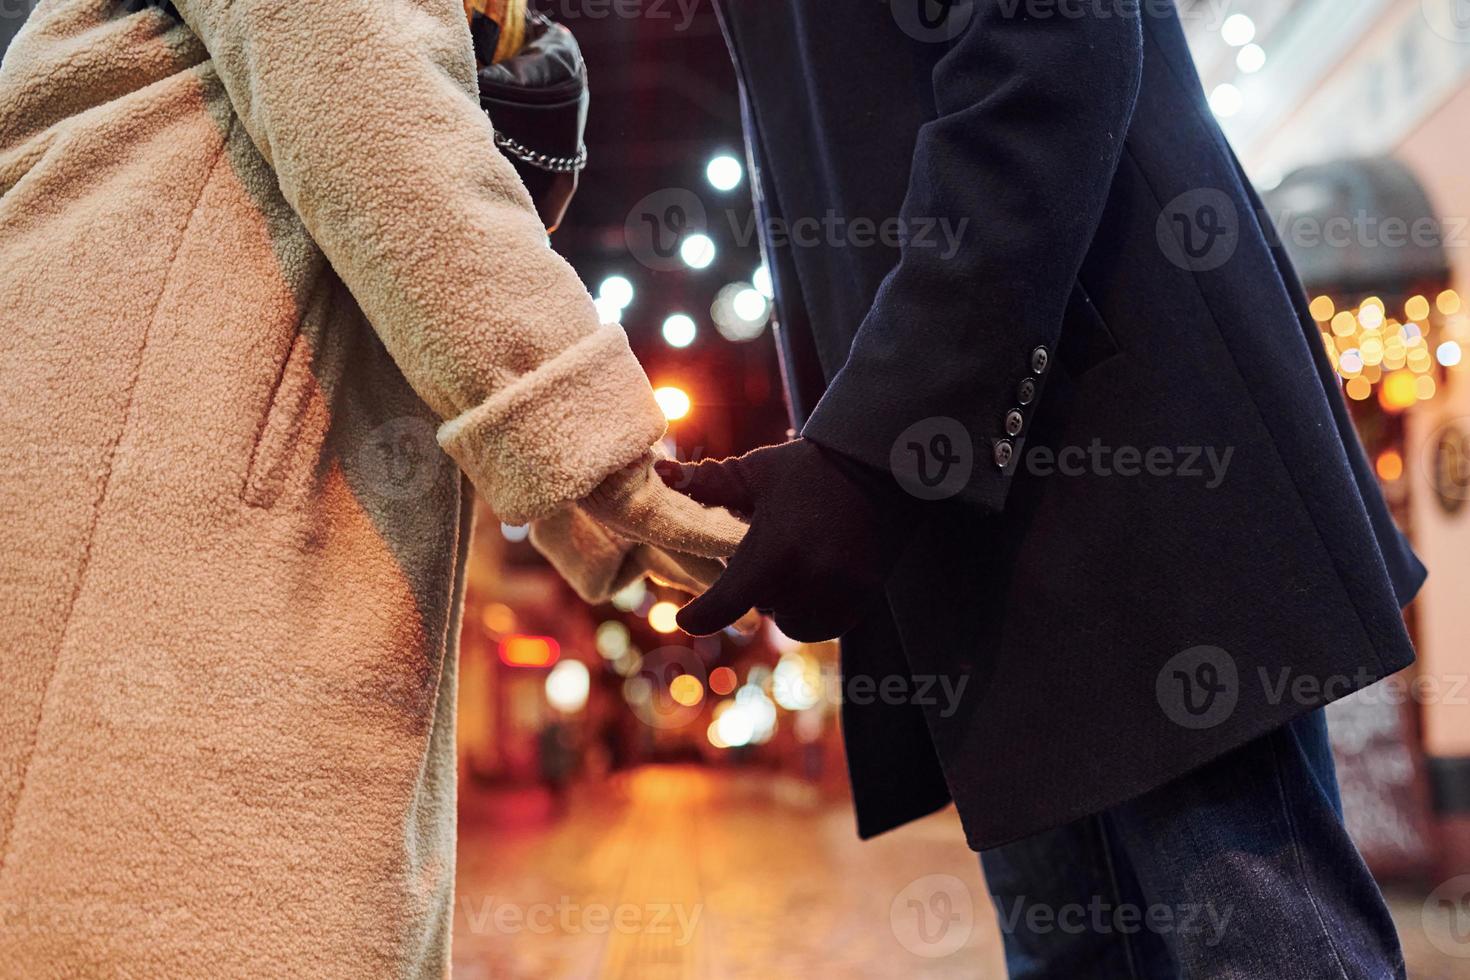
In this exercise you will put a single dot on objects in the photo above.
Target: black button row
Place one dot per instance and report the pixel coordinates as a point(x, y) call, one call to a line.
point(1015, 419)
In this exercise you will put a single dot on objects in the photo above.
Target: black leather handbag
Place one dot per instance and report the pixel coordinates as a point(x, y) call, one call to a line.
point(537, 101)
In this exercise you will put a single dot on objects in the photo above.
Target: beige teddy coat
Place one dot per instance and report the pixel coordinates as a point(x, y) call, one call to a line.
point(254, 272)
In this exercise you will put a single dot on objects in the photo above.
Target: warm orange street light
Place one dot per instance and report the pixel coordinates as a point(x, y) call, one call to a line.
point(662, 617)
point(519, 650)
point(1390, 465)
point(686, 690)
point(674, 402)
point(1399, 391)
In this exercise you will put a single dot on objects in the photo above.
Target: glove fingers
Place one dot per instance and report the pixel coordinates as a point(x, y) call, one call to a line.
point(728, 599)
point(680, 523)
point(721, 606)
point(641, 508)
point(714, 482)
point(688, 573)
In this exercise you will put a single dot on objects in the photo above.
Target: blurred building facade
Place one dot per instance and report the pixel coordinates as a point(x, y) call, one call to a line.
point(1354, 121)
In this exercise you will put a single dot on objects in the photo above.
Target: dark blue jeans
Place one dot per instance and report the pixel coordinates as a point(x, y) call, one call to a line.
point(1240, 870)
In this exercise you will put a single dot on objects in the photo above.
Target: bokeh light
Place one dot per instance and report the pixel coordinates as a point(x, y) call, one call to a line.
point(698, 251)
point(612, 639)
point(1238, 30)
point(761, 280)
point(1251, 59)
point(518, 650)
point(1398, 391)
point(497, 617)
point(674, 402)
point(568, 685)
point(663, 617)
point(1390, 465)
point(740, 312)
point(680, 330)
point(1226, 100)
point(724, 172)
point(686, 690)
point(796, 682)
point(607, 311)
point(631, 596)
point(750, 306)
point(734, 727)
point(617, 291)
point(722, 680)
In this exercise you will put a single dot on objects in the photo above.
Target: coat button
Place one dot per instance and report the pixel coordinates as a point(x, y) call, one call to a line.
point(1014, 422)
point(1026, 394)
point(1040, 357)
point(1003, 453)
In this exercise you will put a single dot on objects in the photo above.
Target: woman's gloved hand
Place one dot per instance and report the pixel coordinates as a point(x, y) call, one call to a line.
point(825, 533)
point(632, 525)
point(634, 503)
point(598, 563)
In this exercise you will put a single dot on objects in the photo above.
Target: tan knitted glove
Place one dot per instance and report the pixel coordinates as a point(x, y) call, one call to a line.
point(633, 525)
point(636, 504)
point(598, 563)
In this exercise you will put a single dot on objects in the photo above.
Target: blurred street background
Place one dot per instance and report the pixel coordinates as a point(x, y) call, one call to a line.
point(761, 875)
point(677, 871)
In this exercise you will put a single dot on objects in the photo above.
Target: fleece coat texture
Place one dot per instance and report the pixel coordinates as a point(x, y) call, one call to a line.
point(259, 266)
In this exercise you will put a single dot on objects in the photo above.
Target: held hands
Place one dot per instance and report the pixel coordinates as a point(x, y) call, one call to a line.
point(632, 526)
point(635, 504)
point(825, 533)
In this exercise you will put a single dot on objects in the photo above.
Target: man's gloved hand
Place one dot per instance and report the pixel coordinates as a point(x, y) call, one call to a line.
point(825, 532)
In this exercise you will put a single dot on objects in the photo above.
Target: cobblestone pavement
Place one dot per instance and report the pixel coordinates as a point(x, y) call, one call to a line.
point(668, 873)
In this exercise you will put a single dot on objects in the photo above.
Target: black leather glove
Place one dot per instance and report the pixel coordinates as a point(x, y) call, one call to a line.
point(825, 532)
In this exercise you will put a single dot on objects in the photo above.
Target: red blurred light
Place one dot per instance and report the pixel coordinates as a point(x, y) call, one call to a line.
point(518, 650)
point(722, 680)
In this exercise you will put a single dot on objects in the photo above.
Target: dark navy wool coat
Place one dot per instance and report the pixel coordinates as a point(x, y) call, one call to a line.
point(1153, 533)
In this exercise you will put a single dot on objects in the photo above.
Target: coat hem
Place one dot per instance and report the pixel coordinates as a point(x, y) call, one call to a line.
point(979, 839)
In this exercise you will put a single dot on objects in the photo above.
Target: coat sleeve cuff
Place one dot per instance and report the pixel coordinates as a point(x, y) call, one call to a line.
point(556, 432)
point(932, 456)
